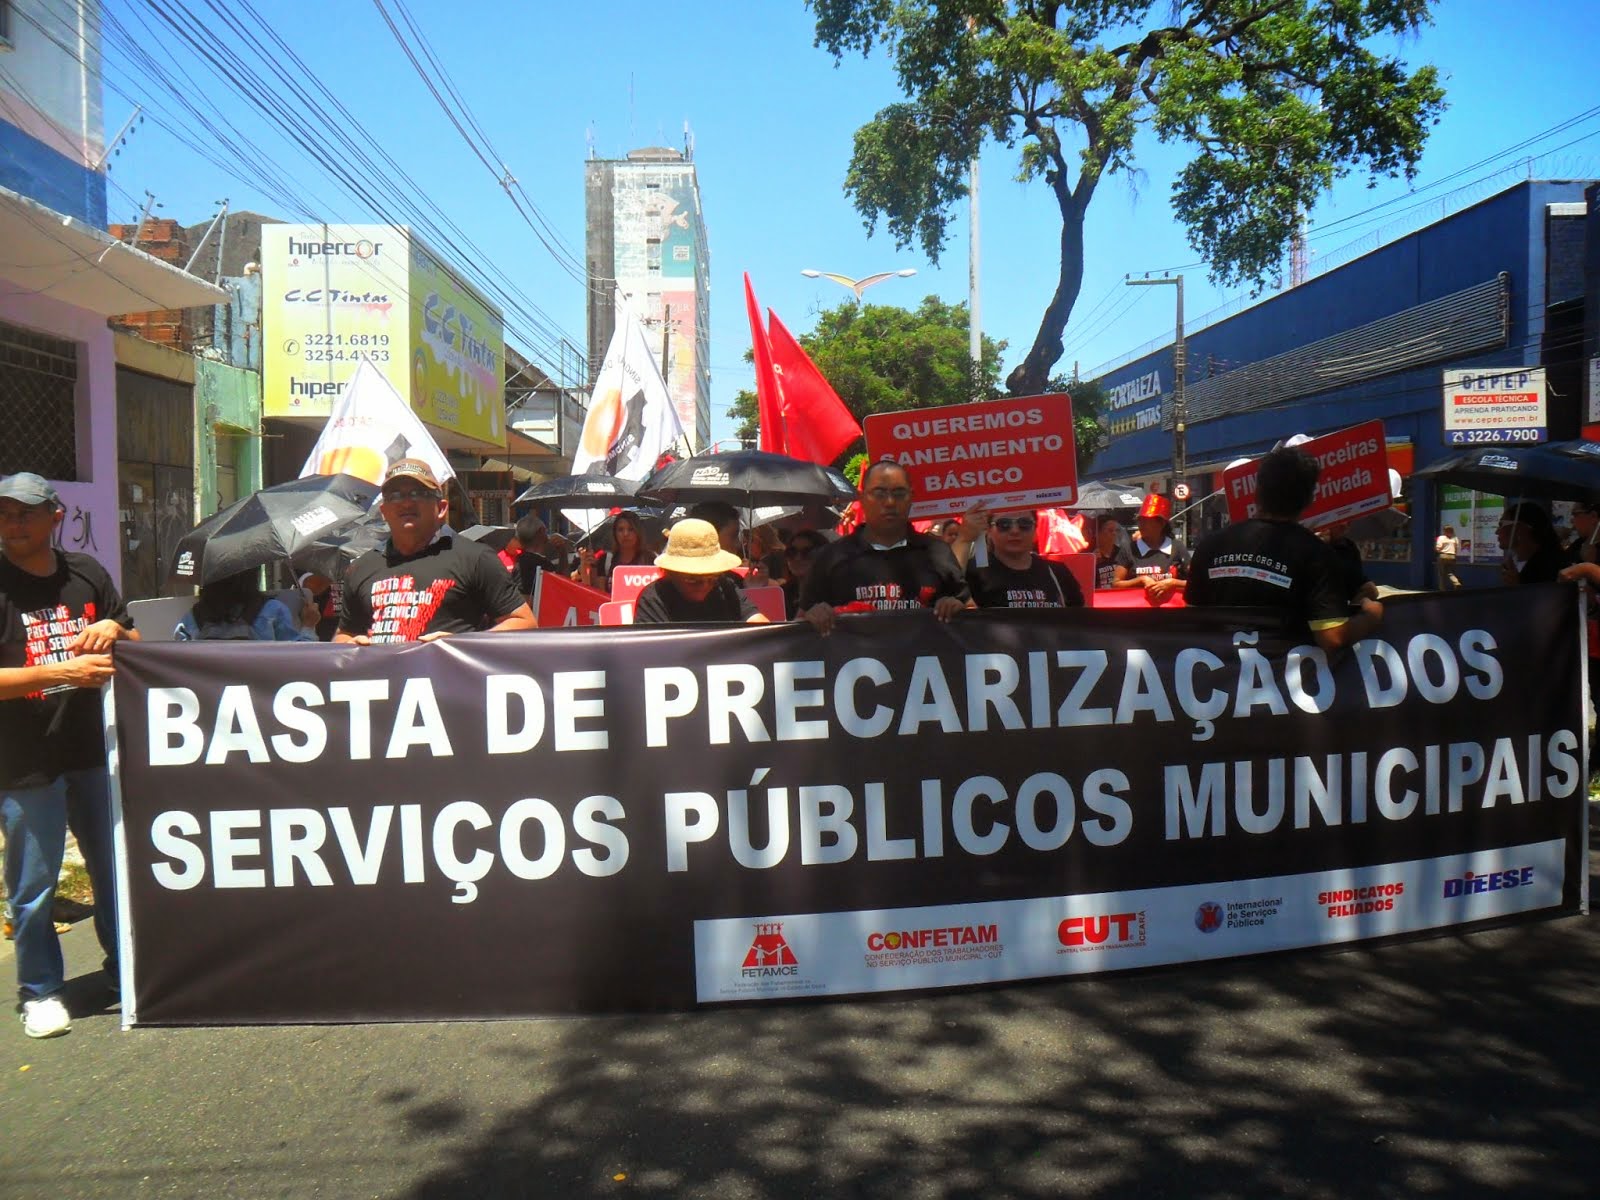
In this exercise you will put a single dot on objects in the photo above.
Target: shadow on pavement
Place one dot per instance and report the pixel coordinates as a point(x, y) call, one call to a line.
point(1453, 1066)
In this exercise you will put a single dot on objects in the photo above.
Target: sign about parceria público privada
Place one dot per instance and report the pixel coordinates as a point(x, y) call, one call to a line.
point(1495, 405)
point(337, 295)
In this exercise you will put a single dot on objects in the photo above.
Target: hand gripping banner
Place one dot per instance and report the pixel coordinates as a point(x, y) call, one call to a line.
point(655, 818)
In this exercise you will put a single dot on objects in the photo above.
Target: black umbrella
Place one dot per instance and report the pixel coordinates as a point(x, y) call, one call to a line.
point(331, 553)
point(493, 536)
point(1547, 471)
point(746, 479)
point(579, 491)
point(1095, 496)
point(272, 524)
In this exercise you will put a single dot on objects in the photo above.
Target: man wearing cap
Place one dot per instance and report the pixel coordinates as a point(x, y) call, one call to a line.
point(884, 564)
point(1272, 561)
point(1160, 561)
point(59, 616)
point(695, 584)
point(425, 583)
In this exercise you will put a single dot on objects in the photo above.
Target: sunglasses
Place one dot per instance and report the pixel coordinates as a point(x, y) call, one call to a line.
point(882, 494)
point(1007, 524)
point(390, 495)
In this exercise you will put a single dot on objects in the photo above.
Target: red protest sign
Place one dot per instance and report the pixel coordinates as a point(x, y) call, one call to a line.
point(1014, 452)
point(557, 601)
point(1354, 478)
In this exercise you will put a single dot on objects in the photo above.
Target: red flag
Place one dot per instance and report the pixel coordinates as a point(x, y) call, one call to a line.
point(817, 425)
point(769, 398)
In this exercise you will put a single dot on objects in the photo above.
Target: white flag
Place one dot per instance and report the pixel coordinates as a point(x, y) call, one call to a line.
point(371, 428)
point(631, 420)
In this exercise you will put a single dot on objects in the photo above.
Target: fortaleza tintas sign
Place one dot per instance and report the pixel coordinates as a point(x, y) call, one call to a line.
point(335, 295)
point(637, 819)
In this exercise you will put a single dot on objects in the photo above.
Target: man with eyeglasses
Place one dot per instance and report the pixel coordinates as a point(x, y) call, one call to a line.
point(885, 564)
point(425, 583)
point(60, 615)
point(1016, 576)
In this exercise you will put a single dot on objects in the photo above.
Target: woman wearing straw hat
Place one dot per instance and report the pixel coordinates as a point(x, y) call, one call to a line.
point(695, 584)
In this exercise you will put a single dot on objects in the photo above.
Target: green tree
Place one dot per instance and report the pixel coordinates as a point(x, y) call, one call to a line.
point(880, 358)
point(1279, 98)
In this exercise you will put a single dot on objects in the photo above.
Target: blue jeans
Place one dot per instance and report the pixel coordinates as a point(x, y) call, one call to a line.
point(35, 821)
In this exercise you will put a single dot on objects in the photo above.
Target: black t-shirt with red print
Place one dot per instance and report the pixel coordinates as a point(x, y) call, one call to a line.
point(853, 574)
point(45, 734)
point(450, 586)
point(1043, 583)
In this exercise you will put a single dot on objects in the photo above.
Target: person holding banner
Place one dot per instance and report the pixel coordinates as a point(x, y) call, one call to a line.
point(883, 564)
point(1015, 576)
point(1272, 561)
point(695, 585)
point(1532, 549)
point(1113, 565)
point(60, 614)
point(425, 583)
point(1160, 561)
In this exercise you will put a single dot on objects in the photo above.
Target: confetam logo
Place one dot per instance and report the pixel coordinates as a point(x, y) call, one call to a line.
point(607, 488)
point(1490, 881)
point(917, 939)
point(769, 953)
point(185, 565)
point(1499, 462)
point(711, 475)
point(1208, 917)
point(1109, 931)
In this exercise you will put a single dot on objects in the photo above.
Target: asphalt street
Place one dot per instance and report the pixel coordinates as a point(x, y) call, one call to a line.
point(1461, 1066)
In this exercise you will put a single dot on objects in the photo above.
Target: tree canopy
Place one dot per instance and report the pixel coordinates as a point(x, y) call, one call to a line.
point(1278, 98)
point(881, 358)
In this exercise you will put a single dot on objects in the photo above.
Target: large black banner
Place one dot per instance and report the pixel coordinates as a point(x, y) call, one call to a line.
point(627, 819)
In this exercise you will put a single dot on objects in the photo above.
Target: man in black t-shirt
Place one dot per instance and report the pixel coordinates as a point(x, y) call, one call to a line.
point(59, 616)
point(422, 585)
point(1273, 561)
point(885, 564)
point(1016, 576)
point(696, 585)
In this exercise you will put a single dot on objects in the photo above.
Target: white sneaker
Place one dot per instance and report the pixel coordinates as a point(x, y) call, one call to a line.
point(45, 1017)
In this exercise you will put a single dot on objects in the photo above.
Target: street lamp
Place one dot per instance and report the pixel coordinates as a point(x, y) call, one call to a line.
point(858, 285)
point(1180, 412)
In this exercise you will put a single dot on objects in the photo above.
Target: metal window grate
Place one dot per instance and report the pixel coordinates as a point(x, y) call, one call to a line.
point(38, 401)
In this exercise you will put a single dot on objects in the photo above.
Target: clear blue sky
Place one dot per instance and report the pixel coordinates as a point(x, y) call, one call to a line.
point(772, 119)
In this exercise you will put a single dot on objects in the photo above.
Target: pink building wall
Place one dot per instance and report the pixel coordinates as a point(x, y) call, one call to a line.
point(91, 525)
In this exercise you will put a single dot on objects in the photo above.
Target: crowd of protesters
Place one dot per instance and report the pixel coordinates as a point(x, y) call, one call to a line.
point(60, 615)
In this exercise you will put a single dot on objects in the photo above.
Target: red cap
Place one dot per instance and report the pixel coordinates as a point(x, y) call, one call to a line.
point(1156, 505)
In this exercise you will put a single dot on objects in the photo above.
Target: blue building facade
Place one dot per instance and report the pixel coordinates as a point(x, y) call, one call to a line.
point(1502, 283)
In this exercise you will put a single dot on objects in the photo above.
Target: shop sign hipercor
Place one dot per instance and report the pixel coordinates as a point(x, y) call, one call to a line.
point(1495, 405)
point(1354, 478)
point(1014, 452)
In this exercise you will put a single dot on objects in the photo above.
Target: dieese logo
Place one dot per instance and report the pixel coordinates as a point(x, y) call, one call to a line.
point(1110, 931)
point(1208, 917)
point(769, 954)
point(1490, 881)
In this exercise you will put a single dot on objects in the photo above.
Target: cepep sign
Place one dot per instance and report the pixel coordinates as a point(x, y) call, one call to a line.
point(1495, 405)
point(1354, 478)
point(1013, 453)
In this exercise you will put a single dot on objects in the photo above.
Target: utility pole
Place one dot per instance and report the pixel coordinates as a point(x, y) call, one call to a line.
point(1180, 412)
point(974, 319)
